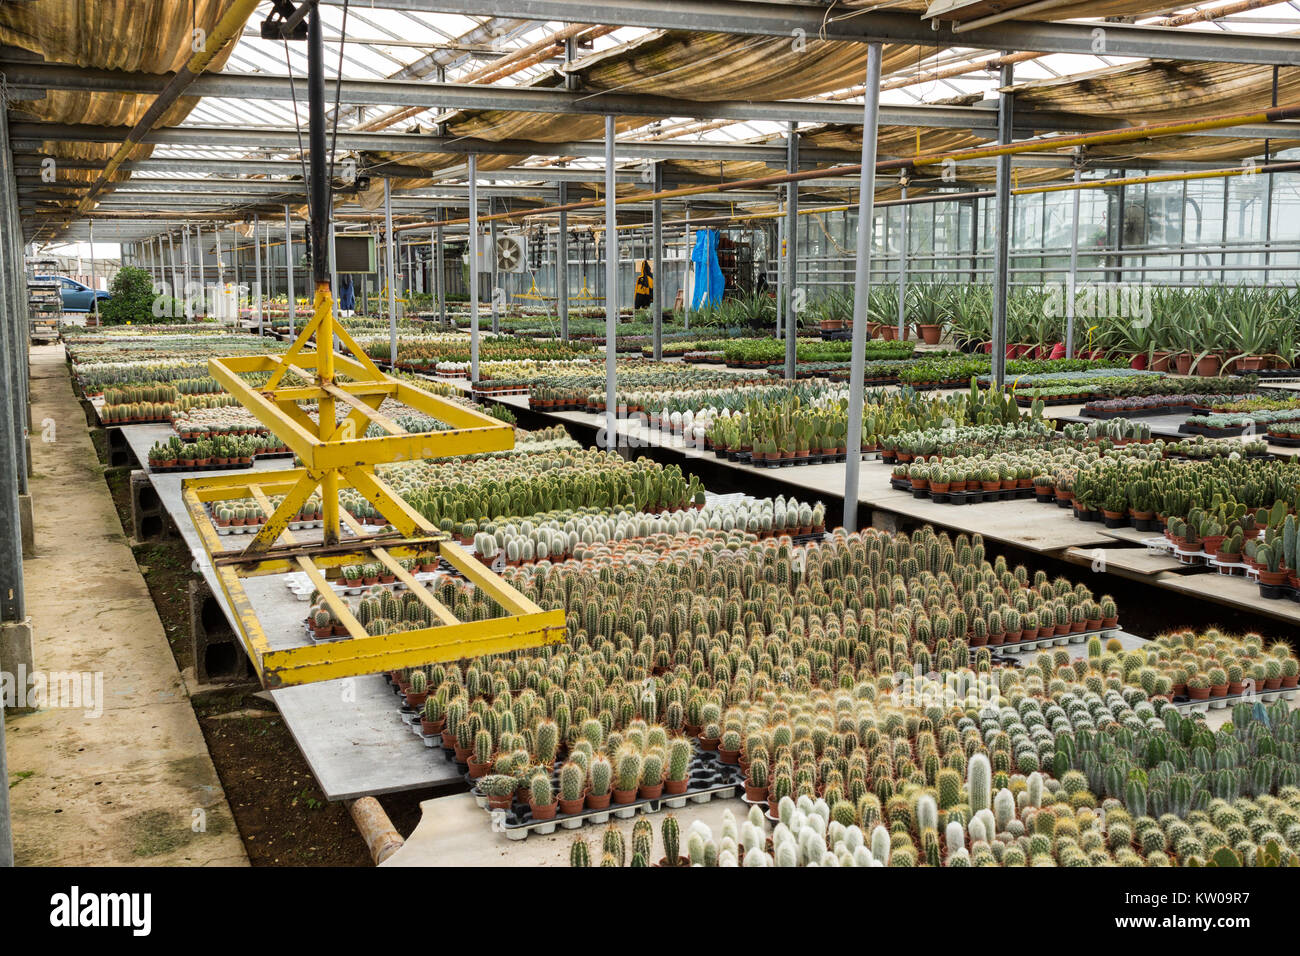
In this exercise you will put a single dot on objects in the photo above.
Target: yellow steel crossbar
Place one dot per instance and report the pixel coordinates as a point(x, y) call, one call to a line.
point(333, 459)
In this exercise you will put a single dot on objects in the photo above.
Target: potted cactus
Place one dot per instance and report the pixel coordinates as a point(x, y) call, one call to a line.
point(480, 761)
point(600, 776)
point(652, 776)
point(628, 776)
point(419, 689)
point(433, 716)
point(729, 747)
point(756, 785)
point(541, 797)
point(573, 784)
point(677, 778)
point(499, 788)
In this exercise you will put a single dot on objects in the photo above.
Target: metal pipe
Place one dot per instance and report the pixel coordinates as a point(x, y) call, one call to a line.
point(318, 184)
point(1072, 282)
point(439, 276)
point(611, 285)
point(187, 295)
point(94, 286)
point(288, 270)
point(495, 274)
point(473, 256)
point(1002, 227)
point(903, 243)
point(257, 279)
point(203, 281)
point(791, 253)
point(388, 258)
point(690, 271)
point(562, 267)
point(660, 287)
point(861, 288)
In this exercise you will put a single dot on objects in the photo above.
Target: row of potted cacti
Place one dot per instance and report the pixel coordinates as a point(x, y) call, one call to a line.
point(460, 496)
point(1161, 489)
point(578, 533)
point(217, 451)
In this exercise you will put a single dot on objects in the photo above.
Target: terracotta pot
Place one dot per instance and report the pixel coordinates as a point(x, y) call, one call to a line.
point(645, 792)
point(1179, 690)
point(930, 334)
point(462, 755)
point(1272, 683)
point(1110, 621)
point(708, 743)
point(431, 727)
point(675, 787)
point(728, 756)
point(500, 803)
point(996, 639)
point(624, 796)
point(1092, 624)
point(1159, 361)
point(1272, 578)
point(1183, 362)
point(1218, 690)
point(448, 740)
point(597, 802)
point(1198, 693)
point(978, 641)
point(756, 794)
point(1236, 687)
point(542, 813)
point(477, 770)
point(415, 701)
point(571, 806)
point(1290, 681)
point(1209, 366)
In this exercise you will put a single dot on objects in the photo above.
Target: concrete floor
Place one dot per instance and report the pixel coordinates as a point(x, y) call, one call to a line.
point(134, 785)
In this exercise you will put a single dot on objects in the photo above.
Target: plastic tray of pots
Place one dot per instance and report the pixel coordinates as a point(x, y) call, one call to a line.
point(1203, 705)
point(1056, 640)
point(709, 778)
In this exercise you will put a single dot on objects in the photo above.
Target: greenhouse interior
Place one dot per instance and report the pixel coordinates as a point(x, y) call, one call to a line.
point(751, 433)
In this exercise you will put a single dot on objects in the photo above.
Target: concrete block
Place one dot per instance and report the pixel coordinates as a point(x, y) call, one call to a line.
point(26, 521)
point(887, 521)
point(119, 450)
point(218, 655)
point(149, 518)
point(17, 656)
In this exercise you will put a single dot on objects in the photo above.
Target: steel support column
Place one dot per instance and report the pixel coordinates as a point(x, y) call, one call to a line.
point(1000, 245)
point(562, 266)
point(473, 255)
point(1073, 277)
point(903, 243)
point(861, 287)
point(792, 252)
point(611, 287)
point(660, 287)
point(288, 270)
point(388, 259)
point(496, 272)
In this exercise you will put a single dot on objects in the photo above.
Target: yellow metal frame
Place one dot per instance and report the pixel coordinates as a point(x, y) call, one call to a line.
point(332, 458)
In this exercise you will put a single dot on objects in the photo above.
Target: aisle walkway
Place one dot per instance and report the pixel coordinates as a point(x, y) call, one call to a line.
point(134, 784)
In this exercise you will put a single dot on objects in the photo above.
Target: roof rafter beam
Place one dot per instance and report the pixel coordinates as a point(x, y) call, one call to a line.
point(766, 18)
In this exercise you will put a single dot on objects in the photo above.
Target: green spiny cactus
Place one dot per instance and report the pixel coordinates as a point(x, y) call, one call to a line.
point(670, 834)
point(579, 854)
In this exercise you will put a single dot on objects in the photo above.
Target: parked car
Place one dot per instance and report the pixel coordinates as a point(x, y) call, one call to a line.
point(77, 297)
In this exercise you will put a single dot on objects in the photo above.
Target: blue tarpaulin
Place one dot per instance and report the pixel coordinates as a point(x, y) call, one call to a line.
point(708, 277)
